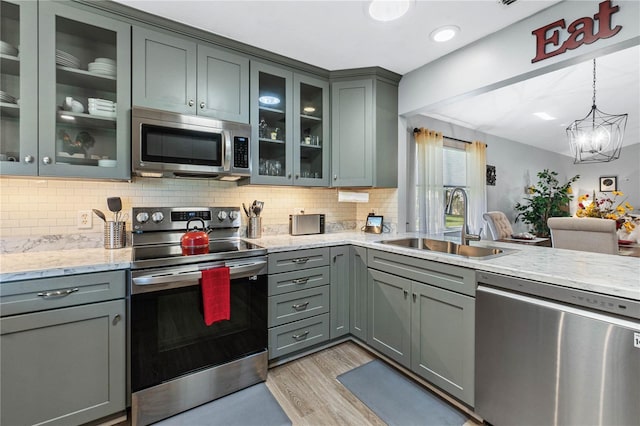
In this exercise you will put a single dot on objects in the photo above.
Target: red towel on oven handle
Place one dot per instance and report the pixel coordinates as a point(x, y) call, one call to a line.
point(216, 295)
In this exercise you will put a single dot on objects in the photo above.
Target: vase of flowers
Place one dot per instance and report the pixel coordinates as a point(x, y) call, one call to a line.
point(605, 207)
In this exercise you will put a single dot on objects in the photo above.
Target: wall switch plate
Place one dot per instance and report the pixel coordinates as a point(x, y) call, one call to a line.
point(85, 220)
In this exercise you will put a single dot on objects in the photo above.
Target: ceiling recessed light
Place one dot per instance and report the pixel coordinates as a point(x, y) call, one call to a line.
point(269, 100)
point(445, 33)
point(544, 116)
point(388, 10)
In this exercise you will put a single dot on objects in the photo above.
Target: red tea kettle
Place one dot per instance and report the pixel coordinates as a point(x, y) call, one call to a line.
point(195, 241)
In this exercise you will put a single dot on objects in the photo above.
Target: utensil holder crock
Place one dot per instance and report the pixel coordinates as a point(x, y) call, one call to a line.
point(115, 235)
point(254, 227)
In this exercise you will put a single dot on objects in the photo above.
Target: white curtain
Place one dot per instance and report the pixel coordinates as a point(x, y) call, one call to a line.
point(430, 202)
point(476, 184)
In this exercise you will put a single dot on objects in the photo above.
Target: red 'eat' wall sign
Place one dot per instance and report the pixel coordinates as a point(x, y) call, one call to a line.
point(581, 31)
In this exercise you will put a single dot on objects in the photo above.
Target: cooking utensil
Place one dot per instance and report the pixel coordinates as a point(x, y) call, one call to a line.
point(257, 207)
point(115, 206)
point(99, 214)
point(195, 241)
point(246, 211)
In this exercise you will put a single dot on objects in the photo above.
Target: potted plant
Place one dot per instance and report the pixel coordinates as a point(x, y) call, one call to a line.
point(547, 199)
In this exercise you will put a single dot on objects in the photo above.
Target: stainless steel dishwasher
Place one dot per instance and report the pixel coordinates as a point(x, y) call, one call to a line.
point(550, 355)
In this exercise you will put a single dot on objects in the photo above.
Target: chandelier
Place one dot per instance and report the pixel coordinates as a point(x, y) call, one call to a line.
point(597, 138)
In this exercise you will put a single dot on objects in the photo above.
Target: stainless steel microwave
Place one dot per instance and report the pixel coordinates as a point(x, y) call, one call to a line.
point(166, 144)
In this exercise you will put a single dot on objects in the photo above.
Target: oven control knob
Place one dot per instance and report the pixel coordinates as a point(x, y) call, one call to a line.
point(233, 215)
point(142, 217)
point(222, 216)
point(157, 217)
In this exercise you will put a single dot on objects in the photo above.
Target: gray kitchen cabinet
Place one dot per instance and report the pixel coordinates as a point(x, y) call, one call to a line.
point(19, 76)
point(422, 314)
point(358, 292)
point(298, 300)
point(364, 131)
point(389, 325)
point(177, 74)
point(64, 365)
point(339, 291)
point(442, 336)
point(290, 127)
point(63, 55)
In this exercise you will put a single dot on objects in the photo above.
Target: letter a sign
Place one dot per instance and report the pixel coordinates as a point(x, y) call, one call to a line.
point(581, 31)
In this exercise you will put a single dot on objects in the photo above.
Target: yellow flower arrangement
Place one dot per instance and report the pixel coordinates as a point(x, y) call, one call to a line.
point(606, 208)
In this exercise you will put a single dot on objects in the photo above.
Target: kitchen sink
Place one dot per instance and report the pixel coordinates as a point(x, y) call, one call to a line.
point(448, 247)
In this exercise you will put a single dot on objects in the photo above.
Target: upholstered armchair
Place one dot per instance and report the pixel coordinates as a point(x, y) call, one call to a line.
point(584, 234)
point(499, 225)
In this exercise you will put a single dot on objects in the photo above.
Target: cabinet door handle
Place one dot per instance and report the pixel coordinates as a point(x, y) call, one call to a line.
point(335, 177)
point(297, 176)
point(300, 306)
point(201, 105)
point(414, 297)
point(300, 280)
point(301, 335)
point(46, 160)
point(116, 319)
point(191, 102)
point(405, 293)
point(300, 260)
point(58, 293)
point(28, 159)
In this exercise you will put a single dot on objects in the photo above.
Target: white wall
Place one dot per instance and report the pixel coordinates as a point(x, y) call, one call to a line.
point(626, 168)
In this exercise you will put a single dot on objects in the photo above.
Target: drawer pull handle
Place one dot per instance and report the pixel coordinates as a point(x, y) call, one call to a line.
point(301, 335)
point(58, 293)
point(300, 306)
point(301, 280)
point(300, 260)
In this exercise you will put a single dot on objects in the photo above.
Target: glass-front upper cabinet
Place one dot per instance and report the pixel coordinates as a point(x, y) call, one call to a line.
point(18, 87)
point(271, 156)
point(311, 138)
point(85, 94)
point(290, 128)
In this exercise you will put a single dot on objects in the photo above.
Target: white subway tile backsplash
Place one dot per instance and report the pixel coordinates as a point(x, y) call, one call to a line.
point(34, 207)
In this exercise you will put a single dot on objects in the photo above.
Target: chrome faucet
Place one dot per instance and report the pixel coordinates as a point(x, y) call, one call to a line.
point(465, 237)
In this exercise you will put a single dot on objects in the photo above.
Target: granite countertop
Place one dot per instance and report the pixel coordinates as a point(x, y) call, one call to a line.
point(607, 274)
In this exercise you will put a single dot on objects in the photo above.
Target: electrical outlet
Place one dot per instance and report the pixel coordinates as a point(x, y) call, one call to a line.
point(85, 219)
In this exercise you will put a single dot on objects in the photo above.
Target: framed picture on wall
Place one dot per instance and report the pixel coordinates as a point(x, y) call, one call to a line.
point(608, 183)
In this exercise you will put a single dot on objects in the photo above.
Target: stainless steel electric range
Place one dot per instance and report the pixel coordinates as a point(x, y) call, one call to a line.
point(177, 362)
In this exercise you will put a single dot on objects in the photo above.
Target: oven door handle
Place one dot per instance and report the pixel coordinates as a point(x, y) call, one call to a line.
point(235, 271)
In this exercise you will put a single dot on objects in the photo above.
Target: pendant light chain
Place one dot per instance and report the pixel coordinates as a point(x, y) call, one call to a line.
point(594, 82)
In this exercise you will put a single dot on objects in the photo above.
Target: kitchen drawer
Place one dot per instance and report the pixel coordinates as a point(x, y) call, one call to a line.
point(298, 305)
point(50, 293)
point(298, 335)
point(298, 280)
point(454, 278)
point(298, 259)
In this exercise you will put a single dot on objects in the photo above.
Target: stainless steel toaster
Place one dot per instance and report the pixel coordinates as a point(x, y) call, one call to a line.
point(306, 224)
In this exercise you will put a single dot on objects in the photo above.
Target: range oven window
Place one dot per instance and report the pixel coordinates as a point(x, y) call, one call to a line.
point(169, 337)
point(181, 146)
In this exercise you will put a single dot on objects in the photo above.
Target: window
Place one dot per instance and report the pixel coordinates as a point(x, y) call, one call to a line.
point(454, 170)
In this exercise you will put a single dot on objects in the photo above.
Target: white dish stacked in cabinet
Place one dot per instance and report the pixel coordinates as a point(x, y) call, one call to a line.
point(102, 107)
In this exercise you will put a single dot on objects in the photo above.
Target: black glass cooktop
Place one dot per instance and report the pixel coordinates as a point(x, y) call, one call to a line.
point(173, 254)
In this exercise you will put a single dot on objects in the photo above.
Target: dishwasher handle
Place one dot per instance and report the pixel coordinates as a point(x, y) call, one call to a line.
point(555, 306)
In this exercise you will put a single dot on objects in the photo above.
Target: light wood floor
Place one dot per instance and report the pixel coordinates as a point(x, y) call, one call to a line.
point(308, 391)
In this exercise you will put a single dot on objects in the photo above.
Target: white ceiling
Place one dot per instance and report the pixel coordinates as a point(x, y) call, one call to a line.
point(338, 34)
